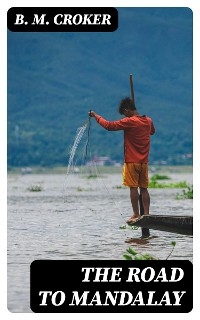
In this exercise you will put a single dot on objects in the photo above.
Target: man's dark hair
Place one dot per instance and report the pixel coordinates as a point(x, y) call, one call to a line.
point(126, 103)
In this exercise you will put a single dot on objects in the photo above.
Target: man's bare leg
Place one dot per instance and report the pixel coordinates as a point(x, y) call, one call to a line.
point(134, 196)
point(145, 199)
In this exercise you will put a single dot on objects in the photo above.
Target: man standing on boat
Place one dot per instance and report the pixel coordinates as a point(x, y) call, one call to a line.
point(137, 130)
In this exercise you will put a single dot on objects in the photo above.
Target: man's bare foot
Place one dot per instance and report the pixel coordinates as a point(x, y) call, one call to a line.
point(133, 218)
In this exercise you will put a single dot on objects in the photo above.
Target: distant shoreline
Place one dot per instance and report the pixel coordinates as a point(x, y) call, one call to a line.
point(101, 169)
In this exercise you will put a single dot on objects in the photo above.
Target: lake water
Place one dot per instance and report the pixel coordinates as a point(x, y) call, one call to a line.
point(77, 217)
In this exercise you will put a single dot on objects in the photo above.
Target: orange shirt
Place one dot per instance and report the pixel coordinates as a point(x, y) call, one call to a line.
point(137, 131)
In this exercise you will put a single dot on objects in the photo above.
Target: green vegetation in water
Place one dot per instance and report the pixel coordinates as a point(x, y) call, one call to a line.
point(186, 194)
point(153, 183)
point(134, 255)
point(124, 226)
point(173, 243)
point(156, 184)
point(79, 189)
point(119, 187)
point(92, 176)
point(35, 188)
point(160, 177)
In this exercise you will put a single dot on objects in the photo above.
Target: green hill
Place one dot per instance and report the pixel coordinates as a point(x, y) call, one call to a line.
point(55, 78)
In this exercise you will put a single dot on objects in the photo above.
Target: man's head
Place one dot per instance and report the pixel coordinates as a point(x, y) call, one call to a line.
point(127, 107)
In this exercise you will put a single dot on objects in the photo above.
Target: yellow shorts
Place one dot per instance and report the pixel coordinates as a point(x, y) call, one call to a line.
point(135, 175)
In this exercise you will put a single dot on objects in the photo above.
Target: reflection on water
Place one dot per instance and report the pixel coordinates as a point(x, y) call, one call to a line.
point(81, 218)
point(139, 241)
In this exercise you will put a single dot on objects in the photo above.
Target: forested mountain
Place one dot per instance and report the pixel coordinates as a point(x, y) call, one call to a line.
point(54, 79)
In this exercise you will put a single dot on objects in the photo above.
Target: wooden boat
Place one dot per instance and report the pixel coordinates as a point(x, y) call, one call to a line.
point(167, 223)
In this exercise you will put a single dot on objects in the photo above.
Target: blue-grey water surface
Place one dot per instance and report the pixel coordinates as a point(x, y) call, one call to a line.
point(74, 217)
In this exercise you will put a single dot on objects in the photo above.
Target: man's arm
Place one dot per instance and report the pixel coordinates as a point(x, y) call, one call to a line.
point(122, 124)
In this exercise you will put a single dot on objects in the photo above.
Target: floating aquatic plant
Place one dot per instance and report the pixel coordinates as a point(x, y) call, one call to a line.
point(134, 255)
point(35, 188)
point(186, 194)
